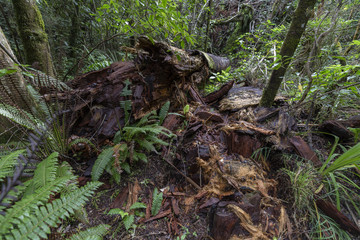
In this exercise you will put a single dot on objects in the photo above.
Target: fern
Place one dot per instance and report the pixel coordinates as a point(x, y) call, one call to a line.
point(40, 79)
point(46, 171)
point(20, 117)
point(41, 108)
point(163, 112)
point(157, 200)
point(81, 140)
point(37, 224)
point(7, 164)
point(103, 159)
point(31, 201)
point(126, 105)
point(94, 233)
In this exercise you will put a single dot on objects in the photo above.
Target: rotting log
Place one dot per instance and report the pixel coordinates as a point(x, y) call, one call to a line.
point(159, 73)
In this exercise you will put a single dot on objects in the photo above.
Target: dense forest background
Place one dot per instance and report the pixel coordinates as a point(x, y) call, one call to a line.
point(54, 42)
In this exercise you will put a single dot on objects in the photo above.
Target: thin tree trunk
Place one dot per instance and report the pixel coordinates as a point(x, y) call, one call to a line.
point(302, 14)
point(33, 35)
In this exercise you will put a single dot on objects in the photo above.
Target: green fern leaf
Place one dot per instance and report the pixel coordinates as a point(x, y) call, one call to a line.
point(82, 140)
point(156, 140)
point(157, 200)
point(31, 201)
point(126, 91)
point(46, 170)
point(20, 117)
point(140, 156)
point(7, 164)
point(40, 107)
point(91, 233)
point(36, 225)
point(164, 111)
point(103, 159)
point(143, 120)
point(128, 221)
point(126, 105)
point(138, 205)
point(147, 145)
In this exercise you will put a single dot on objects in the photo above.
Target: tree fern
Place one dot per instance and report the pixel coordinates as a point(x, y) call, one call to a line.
point(103, 159)
point(94, 233)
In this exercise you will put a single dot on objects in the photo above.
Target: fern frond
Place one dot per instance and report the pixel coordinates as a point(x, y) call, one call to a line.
point(31, 201)
point(46, 171)
point(40, 79)
point(157, 200)
point(147, 145)
point(126, 105)
point(64, 170)
point(93, 233)
point(164, 111)
point(20, 117)
point(140, 156)
point(156, 140)
point(82, 140)
point(40, 107)
point(37, 224)
point(7, 164)
point(143, 120)
point(103, 159)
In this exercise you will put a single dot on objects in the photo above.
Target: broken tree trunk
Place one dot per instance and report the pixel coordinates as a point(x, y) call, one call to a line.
point(159, 73)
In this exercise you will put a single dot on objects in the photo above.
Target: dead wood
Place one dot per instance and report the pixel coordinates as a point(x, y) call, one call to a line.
point(330, 210)
point(159, 73)
point(304, 150)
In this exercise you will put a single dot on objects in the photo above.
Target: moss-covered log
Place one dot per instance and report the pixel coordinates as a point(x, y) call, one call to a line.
point(298, 24)
point(33, 36)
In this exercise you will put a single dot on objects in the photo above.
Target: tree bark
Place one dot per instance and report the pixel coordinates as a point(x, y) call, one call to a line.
point(12, 86)
point(33, 36)
point(301, 16)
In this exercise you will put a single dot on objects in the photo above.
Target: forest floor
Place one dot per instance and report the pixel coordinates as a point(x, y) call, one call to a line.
point(215, 151)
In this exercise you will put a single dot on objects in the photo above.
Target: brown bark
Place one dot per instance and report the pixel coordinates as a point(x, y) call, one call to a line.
point(298, 24)
point(159, 74)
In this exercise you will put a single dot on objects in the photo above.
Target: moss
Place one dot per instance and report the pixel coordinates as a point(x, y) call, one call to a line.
point(32, 32)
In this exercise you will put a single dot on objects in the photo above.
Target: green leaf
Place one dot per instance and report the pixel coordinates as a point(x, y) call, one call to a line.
point(164, 111)
point(103, 159)
point(157, 200)
point(138, 205)
point(128, 221)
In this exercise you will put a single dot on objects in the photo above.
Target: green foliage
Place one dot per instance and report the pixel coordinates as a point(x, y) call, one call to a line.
point(338, 179)
point(93, 233)
point(154, 18)
point(7, 164)
point(218, 79)
point(131, 142)
point(32, 216)
point(157, 200)
point(101, 162)
point(126, 218)
point(303, 182)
